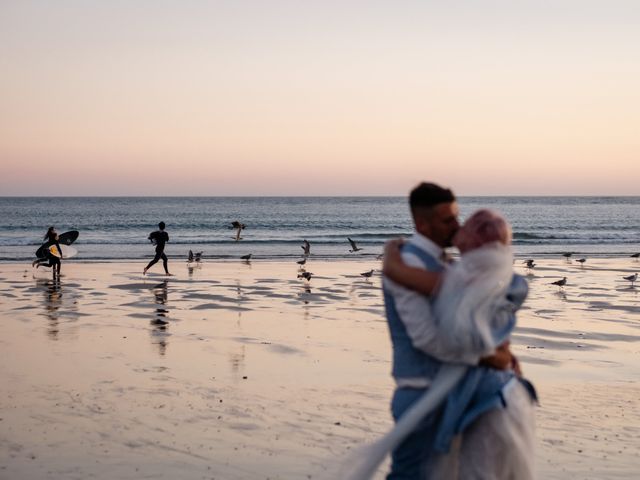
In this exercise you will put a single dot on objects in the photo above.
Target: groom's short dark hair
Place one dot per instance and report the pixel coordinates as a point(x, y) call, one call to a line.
point(427, 195)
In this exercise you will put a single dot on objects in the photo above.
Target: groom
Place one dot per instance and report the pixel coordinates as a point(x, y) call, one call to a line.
point(417, 354)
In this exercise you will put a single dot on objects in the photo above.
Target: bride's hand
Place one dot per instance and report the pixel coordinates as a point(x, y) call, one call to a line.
point(502, 358)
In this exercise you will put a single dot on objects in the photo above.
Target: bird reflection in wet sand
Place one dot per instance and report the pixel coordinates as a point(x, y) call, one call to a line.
point(239, 299)
point(305, 294)
point(159, 332)
point(237, 360)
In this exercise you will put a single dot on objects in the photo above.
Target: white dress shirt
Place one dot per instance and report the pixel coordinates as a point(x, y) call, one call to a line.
point(416, 314)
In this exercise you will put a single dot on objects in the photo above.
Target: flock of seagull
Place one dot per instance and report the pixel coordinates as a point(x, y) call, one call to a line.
point(530, 265)
point(196, 258)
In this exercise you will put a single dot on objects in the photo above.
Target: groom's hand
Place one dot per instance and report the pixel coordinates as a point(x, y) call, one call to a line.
point(392, 257)
point(502, 359)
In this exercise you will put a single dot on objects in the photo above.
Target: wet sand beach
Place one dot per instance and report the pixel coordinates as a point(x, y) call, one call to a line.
point(243, 371)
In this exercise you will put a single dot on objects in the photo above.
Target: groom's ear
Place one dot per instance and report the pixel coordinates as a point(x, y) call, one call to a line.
point(422, 218)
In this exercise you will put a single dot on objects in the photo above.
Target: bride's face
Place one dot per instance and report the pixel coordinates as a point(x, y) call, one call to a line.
point(464, 240)
point(482, 228)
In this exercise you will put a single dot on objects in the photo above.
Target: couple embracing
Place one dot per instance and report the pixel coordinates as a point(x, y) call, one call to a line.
point(462, 408)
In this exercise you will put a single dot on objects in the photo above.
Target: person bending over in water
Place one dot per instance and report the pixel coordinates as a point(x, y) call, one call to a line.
point(51, 239)
point(159, 238)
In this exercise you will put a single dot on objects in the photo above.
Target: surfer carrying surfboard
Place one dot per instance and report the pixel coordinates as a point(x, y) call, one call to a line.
point(159, 238)
point(51, 239)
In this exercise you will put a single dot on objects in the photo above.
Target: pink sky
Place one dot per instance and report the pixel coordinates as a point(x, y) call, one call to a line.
point(318, 98)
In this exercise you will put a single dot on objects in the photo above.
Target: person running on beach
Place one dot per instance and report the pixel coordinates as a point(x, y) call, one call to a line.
point(159, 238)
point(51, 238)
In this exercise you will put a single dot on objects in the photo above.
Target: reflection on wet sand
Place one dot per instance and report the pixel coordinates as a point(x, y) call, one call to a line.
point(159, 333)
point(52, 302)
point(237, 360)
point(192, 267)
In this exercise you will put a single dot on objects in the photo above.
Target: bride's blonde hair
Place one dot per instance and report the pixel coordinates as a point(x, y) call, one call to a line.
point(486, 226)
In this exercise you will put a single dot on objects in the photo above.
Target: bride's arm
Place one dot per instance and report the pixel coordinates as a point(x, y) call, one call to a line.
point(417, 279)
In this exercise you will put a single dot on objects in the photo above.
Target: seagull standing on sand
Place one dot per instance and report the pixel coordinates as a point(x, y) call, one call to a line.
point(581, 261)
point(530, 263)
point(302, 262)
point(560, 283)
point(306, 246)
point(632, 278)
point(636, 256)
point(567, 255)
point(354, 246)
point(367, 274)
point(246, 257)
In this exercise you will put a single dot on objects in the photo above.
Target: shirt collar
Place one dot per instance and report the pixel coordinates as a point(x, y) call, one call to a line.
point(427, 245)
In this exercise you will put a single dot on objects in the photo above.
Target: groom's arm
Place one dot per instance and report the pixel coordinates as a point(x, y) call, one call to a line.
point(416, 315)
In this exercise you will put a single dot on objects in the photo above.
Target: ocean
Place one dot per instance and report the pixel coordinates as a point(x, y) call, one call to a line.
point(116, 228)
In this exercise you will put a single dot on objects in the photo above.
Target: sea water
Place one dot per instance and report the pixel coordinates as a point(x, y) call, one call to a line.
point(116, 228)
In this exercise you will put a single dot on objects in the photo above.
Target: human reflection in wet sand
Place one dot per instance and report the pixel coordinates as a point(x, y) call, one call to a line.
point(159, 333)
point(52, 302)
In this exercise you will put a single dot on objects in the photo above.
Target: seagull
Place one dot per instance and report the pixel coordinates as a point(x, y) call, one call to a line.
point(632, 278)
point(246, 257)
point(194, 257)
point(636, 256)
point(581, 261)
point(302, 262)
point(567, 255)
point(306, 247)
point(367, 274)
point(380, 257)
point(560, 283)
point(530, 263)
point(354, 246)
point(305, 275)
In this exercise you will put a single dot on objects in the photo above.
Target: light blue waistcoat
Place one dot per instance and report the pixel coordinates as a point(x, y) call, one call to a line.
point(408, 361)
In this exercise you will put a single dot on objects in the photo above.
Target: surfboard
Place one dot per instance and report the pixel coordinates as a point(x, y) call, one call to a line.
point(66, 238)
point(67, 251)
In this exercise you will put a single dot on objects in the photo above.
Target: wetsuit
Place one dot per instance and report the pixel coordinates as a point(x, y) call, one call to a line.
point(50, 257)
point(160, 238)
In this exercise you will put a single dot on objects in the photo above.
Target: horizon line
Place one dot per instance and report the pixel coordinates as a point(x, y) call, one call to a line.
point(319, 196)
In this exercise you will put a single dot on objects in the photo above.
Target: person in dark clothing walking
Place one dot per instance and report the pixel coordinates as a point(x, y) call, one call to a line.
point(53, 260)
point(159, 238)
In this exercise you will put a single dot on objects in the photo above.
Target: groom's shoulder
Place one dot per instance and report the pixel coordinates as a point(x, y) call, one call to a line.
point(415, 256)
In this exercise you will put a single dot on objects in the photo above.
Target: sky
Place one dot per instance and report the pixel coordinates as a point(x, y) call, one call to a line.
point(155, 97)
